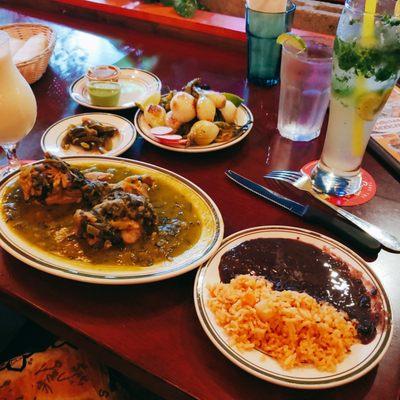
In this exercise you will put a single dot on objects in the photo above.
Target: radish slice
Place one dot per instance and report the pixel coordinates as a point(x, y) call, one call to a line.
point(181, 143)
point(161, 130)
point(169, 138)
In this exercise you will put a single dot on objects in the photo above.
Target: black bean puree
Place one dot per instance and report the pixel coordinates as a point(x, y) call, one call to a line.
point(293, 265)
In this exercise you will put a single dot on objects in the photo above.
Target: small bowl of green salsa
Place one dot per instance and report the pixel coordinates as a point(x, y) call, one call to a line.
point(104, 93)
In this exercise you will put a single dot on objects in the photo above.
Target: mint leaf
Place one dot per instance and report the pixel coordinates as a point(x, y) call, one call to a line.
point(380, 62)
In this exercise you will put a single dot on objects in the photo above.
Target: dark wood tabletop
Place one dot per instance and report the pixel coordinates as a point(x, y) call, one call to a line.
point(151, 332)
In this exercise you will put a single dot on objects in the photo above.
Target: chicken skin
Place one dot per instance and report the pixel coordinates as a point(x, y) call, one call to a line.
point(121, 218)
point(55, 182)
point(135, 184)
point(110, 214)
point(51, 182)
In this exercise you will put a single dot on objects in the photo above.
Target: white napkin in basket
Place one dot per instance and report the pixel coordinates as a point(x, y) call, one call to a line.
point(15, 45)
point(31, 48)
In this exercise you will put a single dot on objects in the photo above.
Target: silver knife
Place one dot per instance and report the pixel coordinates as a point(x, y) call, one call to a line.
point(344, 230)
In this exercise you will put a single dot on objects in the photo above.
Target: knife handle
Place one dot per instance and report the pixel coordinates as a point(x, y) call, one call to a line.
point(347, 232)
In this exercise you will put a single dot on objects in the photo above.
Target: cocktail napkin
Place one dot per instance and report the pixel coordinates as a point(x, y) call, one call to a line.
point(269, 6)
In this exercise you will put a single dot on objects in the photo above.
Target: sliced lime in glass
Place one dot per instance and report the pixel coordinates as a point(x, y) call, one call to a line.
point(234, 98)
point(293, 40)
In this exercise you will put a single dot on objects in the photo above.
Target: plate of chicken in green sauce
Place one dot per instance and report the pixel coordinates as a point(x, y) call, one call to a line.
point(107, 220)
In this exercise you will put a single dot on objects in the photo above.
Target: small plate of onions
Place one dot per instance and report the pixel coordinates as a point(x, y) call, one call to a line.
point(194, 119)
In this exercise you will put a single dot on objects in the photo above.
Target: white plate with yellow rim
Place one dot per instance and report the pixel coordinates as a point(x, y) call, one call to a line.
point(361, 359)
point(53, 136)
point(243, 117)
point(204, 246)
point(136, 85)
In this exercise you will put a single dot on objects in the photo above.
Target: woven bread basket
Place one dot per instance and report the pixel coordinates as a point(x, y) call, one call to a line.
point(32, 70)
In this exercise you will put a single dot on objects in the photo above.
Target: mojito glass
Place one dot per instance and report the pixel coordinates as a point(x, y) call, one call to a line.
point(305, 88)
point(366, 65)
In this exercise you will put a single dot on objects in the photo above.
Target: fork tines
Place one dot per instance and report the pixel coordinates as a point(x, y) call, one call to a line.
point(288, 176)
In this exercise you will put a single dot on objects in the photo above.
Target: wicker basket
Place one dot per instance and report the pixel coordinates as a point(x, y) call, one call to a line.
point(33, 69)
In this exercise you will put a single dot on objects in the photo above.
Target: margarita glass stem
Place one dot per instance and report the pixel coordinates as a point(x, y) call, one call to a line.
point(13, 161)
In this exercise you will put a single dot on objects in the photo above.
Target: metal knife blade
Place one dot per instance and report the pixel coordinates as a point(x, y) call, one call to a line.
point(347, 232)
point(291, 205)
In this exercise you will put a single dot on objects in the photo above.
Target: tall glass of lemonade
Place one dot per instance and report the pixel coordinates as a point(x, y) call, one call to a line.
point(366, 66)
point(17, 106)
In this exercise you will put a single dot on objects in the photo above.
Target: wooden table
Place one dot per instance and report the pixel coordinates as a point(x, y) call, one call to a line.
point(151, 332)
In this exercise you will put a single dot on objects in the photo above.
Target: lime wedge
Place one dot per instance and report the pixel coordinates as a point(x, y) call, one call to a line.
point(154, 99)
point(234, 98)
point(295, 41)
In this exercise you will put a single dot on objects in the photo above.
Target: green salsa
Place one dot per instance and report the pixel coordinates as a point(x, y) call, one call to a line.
point(51, 227)
point(105, 94)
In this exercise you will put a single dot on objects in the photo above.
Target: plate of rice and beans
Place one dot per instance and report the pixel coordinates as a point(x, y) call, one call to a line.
point(293, 307)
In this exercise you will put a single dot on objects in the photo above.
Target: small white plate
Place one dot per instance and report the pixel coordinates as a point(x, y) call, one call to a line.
point(244, 116)
point(53, 136)
point(136, 85)
point(361, 359)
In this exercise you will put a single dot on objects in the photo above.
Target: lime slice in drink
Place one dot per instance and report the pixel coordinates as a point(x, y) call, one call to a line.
point(370, 104)
point(154, 99)
point(293, 40)
point(234, 98)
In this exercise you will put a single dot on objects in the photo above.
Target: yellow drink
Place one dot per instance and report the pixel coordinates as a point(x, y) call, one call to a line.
point(17, 102)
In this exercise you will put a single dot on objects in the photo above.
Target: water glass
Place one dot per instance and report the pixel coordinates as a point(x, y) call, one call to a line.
point(264, 54)
point(305, 88)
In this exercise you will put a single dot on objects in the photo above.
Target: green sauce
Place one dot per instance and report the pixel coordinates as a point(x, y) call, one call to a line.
point(51, 227)
point(105, 94)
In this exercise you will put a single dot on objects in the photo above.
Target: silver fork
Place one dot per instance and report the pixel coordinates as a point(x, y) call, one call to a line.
point(303, 182)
